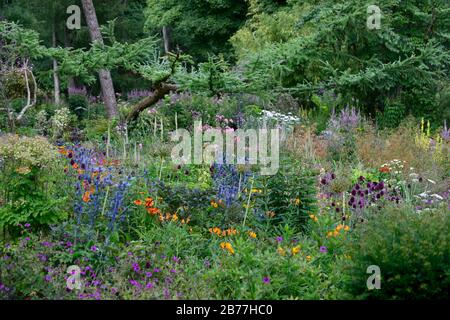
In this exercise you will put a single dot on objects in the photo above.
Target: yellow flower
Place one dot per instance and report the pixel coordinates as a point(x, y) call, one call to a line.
point(329, 234)
point(308, 258)
point(174, 217)
point(295, 250)
point(335, 233)
point(227, 246)
point(314, 218)
point(214, 204)
point(281, 251)
point(252, 234)
point(298, 202)
point(339, 227)
point(346, 228)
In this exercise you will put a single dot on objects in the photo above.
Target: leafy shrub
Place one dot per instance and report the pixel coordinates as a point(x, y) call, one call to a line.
point(28, 182)
point(269, 273)
point(392, 116)
point(411, 250)
point(289, 195)
point(78, 105)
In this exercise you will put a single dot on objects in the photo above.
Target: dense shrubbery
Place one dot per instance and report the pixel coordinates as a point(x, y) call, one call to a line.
point(363, 174)
point(28, 183)
point(411, 250)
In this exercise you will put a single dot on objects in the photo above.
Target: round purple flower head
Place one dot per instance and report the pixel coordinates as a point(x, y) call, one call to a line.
point(266, 280)
point(323, 249)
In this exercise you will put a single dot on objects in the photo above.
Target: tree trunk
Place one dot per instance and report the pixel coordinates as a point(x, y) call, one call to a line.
point(166, 39)
point(67, 43)
point(108, 93)
point(56, 82)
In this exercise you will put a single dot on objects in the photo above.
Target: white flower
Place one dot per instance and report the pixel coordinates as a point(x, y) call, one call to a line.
point(436, 196)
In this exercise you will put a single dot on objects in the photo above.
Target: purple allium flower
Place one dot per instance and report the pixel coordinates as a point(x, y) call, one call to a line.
point(176, 259)
point(323, 249)
point(48, 278)
point(173, 271)
point(94, 248)
point(27, 225)
point(148, 274)
point(279, 239)
point(266, 280)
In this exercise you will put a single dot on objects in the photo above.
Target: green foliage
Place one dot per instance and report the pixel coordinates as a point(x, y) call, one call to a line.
point(290, 194)
point(411, 250)
point(78, 105)
point(27, 183)
point(392, 116)
point(331, 48)
point(197, 27)
point(262, 273)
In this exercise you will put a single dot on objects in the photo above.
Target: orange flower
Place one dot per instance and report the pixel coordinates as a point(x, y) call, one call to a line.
point(252, 234)
point(75, 166)
point(149, 202)
point(154, 211)
point(87, 196)
point(385, 169)
point(138, 202)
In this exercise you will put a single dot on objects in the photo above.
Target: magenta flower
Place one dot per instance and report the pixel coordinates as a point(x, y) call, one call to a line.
point(94, 248)
point(266, 280)
point(279, 239)
point(135, 283)
point(323, 249)
point(136, 267)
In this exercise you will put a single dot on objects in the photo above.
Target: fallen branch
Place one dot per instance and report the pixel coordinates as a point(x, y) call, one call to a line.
point(160, 92)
